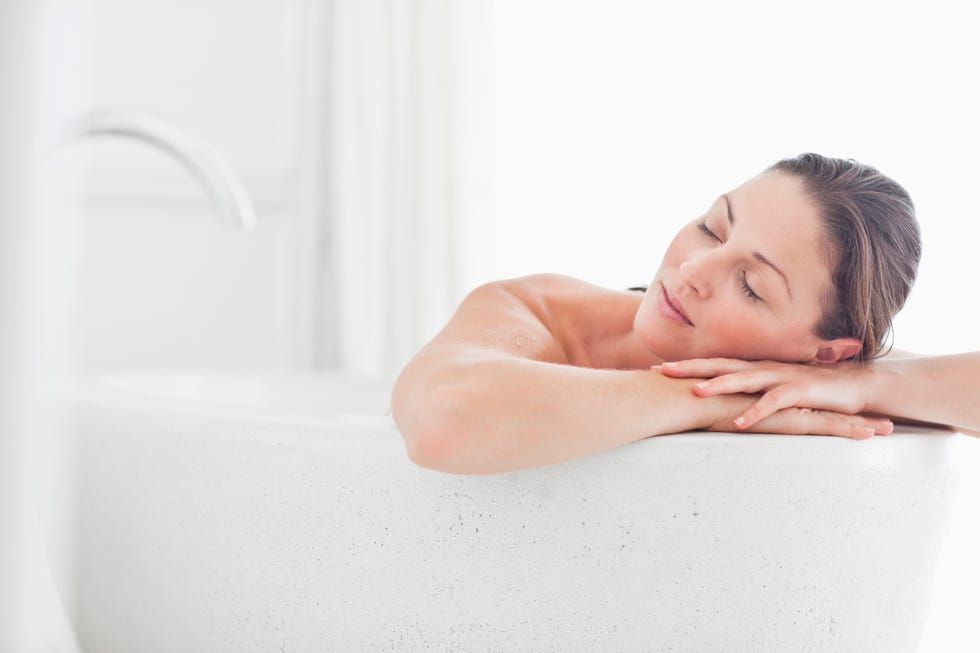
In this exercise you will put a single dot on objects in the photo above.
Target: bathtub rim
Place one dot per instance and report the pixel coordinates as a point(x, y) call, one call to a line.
point(908, 445)
point(140, 390)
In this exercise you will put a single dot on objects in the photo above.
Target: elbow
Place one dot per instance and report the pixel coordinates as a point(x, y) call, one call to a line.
point(439, 444)
point(426, 445)
point(418, 434)
point(444, 427)
point(451, 451)
point(434, 424)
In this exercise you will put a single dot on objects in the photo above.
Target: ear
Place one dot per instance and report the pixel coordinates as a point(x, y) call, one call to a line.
point(839, 349)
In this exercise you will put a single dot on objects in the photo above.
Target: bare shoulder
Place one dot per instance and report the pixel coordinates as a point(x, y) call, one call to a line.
point(505, 317)
point(593, 324)
point(898, 353)
point(548, 318)
point(546, 290)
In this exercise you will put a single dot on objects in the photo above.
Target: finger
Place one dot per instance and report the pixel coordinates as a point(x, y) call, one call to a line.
point(857, 427)
point(883, 426)
point(859, 430)
point(704, 367)
point(846, 426)
point(806, 421)
point(770, 403)
point(747, 382)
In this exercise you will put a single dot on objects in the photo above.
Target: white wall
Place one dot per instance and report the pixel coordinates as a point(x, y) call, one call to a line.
point(357, 127)
point(615, 122)
point(618, 121)
point(34, 84)
point(160, 282)
point(16, 127)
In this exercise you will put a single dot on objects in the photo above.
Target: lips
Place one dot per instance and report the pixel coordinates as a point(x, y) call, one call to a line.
point(671, 307)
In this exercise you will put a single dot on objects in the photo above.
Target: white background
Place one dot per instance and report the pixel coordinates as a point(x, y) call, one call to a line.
point(612, 123)
point(616, 122)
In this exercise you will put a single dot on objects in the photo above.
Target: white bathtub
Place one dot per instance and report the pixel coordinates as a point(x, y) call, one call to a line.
point(235, 513)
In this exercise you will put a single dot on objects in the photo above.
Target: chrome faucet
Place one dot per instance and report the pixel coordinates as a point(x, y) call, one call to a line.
point(218, 177)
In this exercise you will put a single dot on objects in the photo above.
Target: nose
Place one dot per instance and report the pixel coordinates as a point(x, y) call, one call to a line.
point(696, 273)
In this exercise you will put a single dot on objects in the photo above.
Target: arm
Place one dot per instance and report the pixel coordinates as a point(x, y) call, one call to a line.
point(502, 386)
point(940, 390)
point(494, 390)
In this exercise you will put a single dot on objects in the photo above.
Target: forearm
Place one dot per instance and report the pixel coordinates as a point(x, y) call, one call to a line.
point(936, 389)
point(505, 414)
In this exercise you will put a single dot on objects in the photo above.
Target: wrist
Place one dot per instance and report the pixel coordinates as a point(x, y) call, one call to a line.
point(878, 386)
point(681, 410)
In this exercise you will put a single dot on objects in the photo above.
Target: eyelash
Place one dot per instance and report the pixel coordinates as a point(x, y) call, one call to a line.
point(743, 282)
point(704, 228)
point(748, 290)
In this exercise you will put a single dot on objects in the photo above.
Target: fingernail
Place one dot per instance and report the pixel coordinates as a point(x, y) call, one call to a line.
point(703, 385)
point(739, 421)
point(669, 364)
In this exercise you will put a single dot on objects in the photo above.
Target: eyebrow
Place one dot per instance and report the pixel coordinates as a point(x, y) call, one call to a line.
point(756, 255)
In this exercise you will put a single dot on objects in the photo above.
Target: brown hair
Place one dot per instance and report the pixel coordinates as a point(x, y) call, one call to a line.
point(875, 247)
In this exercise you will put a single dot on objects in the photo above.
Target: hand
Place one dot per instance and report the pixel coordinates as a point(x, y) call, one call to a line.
point(807, 421)
point(838, 389)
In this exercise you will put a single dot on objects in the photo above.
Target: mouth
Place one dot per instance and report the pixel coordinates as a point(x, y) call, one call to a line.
point(670, 307)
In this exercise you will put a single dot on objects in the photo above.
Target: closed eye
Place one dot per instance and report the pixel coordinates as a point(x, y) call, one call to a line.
point(743, 281)
point(747, 289)
point(703, 226)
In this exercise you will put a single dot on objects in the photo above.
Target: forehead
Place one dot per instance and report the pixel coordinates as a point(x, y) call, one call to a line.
point(777, 218)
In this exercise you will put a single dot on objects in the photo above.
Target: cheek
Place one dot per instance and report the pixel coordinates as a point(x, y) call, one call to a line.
point(743, 335)
point(735, 334)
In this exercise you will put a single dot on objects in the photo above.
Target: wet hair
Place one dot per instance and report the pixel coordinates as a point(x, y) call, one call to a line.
point(874, 247)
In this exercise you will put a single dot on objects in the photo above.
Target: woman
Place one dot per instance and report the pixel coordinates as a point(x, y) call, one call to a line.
point(785, 288)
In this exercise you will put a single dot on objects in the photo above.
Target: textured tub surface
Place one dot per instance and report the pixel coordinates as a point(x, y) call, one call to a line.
point(206, 529)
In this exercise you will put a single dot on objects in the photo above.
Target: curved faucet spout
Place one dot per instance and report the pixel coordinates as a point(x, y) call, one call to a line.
point(218, 177)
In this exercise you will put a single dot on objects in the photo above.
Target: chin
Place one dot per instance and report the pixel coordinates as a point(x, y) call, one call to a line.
point(653, 336)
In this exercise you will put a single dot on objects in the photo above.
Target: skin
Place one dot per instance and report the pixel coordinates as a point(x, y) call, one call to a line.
point(737, 305)
point(546, 368)
point(933, 390)
point(757, 348)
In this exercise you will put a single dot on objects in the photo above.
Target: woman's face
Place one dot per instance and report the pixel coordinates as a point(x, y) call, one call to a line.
point(746, 280)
